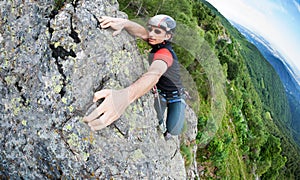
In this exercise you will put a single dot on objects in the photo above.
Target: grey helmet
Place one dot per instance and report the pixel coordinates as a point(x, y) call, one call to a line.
point(165, 22)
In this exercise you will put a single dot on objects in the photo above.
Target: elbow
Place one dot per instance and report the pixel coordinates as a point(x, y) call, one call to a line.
point(144, 34)
point(156, 79)
point(145, 37)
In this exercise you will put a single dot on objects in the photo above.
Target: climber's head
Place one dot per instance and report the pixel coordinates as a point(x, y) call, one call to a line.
point(161, 27)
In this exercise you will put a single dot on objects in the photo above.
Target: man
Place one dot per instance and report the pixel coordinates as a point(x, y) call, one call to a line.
point(163, 73)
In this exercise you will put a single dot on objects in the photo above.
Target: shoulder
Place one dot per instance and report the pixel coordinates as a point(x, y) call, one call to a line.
point(165, 51)
point(165, 55)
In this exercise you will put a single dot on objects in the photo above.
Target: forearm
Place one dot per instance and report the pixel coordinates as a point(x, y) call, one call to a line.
point(142, 86)
point(147, 81)
point(135, 29)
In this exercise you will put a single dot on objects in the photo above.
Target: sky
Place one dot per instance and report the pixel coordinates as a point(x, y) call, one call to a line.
point(278, 21)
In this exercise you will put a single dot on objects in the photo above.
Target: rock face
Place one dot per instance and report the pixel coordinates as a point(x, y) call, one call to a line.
point(52, 62)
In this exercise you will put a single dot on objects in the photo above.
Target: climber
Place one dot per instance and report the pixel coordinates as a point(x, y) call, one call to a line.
point(163, 75)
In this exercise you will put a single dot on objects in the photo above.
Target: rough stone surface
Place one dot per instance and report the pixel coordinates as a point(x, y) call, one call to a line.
point(51, 64)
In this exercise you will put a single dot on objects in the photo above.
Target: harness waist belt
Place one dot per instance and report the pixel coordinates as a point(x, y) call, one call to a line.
point(172, 94)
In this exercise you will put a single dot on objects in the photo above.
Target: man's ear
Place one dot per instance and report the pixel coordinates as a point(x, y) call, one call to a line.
point(168, 36)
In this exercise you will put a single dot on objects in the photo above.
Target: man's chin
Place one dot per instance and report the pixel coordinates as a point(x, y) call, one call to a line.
point(152, 42)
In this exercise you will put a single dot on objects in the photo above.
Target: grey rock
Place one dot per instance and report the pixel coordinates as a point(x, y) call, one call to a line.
point(51, 65)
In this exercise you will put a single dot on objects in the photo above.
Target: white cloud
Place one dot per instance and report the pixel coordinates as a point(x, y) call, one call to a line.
point(297, 5)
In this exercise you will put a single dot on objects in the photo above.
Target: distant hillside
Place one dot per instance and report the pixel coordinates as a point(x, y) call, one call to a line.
point(256, 64)
point(275, 59)
point(291, 86)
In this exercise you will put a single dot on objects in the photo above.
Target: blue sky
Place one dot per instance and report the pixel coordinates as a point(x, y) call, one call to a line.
point(278, 21)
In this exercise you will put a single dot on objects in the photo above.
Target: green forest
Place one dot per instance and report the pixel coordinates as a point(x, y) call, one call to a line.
point(236, 85)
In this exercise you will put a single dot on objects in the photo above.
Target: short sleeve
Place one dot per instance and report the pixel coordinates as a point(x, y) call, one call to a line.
point(165, 55)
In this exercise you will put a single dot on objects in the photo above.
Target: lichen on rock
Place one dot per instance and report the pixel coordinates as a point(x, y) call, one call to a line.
point(52, 62)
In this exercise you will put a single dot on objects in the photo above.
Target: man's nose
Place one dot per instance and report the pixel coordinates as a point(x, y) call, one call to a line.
point(151, 33)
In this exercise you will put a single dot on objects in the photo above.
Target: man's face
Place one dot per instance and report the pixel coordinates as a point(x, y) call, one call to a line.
point(157, 35)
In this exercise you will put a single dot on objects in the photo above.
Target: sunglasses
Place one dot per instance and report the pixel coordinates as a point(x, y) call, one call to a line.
point(156, 31)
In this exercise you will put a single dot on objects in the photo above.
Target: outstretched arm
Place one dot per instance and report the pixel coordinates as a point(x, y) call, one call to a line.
point(116, 101)
point(118, 24)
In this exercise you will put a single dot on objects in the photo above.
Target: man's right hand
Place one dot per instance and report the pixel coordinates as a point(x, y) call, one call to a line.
point(114, 104)
point(116, 24)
